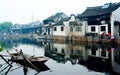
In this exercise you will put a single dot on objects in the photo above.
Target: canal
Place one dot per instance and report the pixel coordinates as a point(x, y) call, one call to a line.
point(63, 58)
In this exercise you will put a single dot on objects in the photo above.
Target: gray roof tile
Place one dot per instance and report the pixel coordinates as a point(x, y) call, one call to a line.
point(100, 10)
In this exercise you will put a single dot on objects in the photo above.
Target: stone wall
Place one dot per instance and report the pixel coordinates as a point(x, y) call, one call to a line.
point(78, 39)
point(118, 40)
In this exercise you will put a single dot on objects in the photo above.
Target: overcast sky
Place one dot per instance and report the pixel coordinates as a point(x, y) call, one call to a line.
point(20, 11)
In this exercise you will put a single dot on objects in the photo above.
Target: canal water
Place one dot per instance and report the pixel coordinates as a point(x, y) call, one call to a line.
point(63, 58)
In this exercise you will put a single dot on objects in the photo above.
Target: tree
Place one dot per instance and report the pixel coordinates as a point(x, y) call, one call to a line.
point(5, 25)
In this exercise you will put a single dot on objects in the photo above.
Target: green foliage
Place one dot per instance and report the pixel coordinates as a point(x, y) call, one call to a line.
point(5, 25)
point(1, 48)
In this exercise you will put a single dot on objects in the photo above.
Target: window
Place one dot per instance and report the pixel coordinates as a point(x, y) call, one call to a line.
point(103, 53)
point(55, 49)
point(55, 28)
point(93, 50)
point(63, 50)
point(71, 29)
point(78, 29)
point(62, 28)
point(103, 28)
point(92, 28)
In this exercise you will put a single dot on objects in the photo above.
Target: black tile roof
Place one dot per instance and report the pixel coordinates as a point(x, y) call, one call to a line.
point(55, 17)
point(61, 21)
point(100, 10)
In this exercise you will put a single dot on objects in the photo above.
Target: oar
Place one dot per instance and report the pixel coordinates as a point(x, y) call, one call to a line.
point(29, 61)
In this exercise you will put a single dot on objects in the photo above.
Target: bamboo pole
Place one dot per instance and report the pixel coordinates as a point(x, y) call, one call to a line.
point(24, 58)
point(5, 60)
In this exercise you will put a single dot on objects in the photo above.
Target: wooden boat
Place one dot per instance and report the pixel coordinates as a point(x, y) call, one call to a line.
point(37, 66)
point(20, 56)
point(27, 60)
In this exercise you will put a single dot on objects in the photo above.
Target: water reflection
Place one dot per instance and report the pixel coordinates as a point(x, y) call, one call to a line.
point(64, 52)
point(9, 43)
point(5, 69)
point(98, 58)
point(95, 57)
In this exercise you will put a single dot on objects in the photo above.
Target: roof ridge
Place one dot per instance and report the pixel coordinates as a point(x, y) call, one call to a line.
point(95, 7)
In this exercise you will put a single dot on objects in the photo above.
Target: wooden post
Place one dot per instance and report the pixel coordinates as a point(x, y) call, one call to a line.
point(5, 60)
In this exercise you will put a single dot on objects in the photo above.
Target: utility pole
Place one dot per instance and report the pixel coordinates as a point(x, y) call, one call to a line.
point(32, 17)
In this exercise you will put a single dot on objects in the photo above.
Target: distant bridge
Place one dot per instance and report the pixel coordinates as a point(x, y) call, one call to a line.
point(27, 30)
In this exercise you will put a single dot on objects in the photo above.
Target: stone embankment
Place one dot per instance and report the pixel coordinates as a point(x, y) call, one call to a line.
point(62, 38)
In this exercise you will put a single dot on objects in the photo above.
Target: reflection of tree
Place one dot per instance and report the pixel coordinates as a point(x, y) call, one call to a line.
point(8, 43)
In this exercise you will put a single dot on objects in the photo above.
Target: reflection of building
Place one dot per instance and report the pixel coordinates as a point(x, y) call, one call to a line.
point(100, 58)
point(64, 52)
point(101, 52)
point(116, 60)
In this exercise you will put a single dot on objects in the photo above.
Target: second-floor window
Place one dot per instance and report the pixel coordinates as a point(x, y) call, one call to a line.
point(55, 28)
point(103, 28)
point(71, 29)
point(92, 28)
point(62, 28)
point(78, 29)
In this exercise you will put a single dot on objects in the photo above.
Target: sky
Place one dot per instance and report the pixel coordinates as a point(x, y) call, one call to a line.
point(26, 11)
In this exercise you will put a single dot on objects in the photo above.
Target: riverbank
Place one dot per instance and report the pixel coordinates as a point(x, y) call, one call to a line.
point(73, 39)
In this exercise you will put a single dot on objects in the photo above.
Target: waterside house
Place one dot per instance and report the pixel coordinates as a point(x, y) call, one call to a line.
point(102, 19)
point(48, 23)
point(60, 27)
point(69, 29)
point(95, 23)
point(99, 22)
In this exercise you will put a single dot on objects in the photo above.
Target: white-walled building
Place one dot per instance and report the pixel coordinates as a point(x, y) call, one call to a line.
point(50, 21)
point(69, 27)
point(104, 18)
point(93, 22)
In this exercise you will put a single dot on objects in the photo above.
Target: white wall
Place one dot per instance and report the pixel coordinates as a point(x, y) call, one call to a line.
point(84, 27)
point(97, 29)
point(115, 17)
point(116, 14)
point(67, 31)
point(60, 47)
point(75, 33)
point(58, 32)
